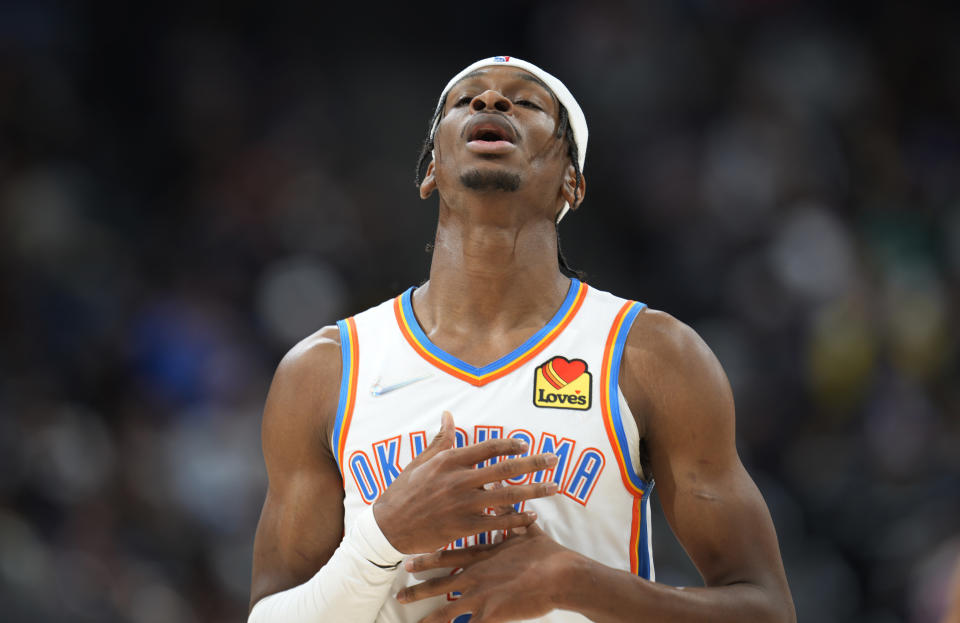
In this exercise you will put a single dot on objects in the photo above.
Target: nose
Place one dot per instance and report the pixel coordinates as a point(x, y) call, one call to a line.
point(492, 100)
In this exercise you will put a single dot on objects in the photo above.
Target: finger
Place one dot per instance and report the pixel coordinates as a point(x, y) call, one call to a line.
point(430, 588)
point(506, 509)
point(503, 509)
point(444, 440)
point(480, 452)
point(511, 468)
point(517, 523)
point(509, 510)
point(514, 494)
point(491, 486)
point(449, 559)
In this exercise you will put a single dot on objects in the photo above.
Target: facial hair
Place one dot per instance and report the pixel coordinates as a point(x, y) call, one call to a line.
point(475, 179)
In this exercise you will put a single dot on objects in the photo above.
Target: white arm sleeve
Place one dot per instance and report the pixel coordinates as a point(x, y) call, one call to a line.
point(352, 586)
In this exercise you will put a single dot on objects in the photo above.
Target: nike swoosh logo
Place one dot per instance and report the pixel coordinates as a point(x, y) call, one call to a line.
point(379, 390)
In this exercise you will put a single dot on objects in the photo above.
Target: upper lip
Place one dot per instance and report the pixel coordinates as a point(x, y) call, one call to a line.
point(495, 126)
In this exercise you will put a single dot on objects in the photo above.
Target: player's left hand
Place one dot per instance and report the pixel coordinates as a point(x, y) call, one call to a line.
point(518, 578)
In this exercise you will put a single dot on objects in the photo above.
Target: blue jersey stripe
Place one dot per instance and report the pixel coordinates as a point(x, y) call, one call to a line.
point(345, 380)
point(422, 339)
point(612, 388)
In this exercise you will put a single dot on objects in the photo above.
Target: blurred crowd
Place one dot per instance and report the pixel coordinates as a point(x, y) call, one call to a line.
point(187, 191)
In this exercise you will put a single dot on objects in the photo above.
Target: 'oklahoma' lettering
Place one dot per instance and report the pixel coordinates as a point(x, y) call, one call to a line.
point(575, 474)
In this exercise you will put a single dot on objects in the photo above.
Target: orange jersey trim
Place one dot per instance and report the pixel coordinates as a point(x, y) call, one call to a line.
point(350, 356)
point(403, 310)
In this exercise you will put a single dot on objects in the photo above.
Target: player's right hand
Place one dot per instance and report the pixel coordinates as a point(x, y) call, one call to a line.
point(440, 495)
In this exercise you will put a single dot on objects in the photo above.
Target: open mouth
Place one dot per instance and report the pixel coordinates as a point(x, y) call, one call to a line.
point(491, 130)
point(490, 135)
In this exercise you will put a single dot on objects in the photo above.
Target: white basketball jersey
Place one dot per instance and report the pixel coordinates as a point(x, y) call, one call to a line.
point(558, 392)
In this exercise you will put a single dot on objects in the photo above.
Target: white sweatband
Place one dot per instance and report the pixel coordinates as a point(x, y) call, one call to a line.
point(352, 586)
point(577, 120)
point(372, 543)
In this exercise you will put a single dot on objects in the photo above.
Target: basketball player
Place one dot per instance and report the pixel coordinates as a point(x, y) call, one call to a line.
point(558, 405)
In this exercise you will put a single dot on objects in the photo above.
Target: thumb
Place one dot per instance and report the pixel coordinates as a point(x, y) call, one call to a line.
point(445, 438)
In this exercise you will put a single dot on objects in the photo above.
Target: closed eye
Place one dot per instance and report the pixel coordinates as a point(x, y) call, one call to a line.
point(463, 101)
point(527, 104)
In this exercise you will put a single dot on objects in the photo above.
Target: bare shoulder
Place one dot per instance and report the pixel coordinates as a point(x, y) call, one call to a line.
point(315, 352)
point(658, 336)
point(305, 387)
point(670, 377)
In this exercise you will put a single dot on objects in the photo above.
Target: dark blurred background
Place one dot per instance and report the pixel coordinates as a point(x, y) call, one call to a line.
point(188, 190)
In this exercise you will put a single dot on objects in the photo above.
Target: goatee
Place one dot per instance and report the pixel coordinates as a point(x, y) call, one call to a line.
point(475, 179)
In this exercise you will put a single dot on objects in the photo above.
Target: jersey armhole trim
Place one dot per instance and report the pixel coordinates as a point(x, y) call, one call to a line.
point(350, 355)
point(609, 396)
point(641, 562)
point(641, 552)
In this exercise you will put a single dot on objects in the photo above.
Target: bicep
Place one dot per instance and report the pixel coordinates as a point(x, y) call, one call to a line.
point(720, 518)
point(712, 504)
point(301, 523)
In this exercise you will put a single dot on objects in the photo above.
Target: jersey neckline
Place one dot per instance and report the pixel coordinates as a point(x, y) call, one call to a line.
point(415, 336)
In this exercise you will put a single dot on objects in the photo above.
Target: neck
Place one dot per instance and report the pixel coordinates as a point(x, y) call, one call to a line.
point(493, 272)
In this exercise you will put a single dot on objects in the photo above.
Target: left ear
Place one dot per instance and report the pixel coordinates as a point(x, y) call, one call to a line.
point(571, 191)
point(429, 183)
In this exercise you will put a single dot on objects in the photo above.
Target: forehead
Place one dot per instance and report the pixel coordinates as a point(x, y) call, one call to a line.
point(502, 76)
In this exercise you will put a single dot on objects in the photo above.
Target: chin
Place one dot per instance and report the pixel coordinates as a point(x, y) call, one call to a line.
point(490, 179)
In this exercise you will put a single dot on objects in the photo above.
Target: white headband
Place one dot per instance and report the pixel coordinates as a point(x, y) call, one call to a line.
point(578, 123)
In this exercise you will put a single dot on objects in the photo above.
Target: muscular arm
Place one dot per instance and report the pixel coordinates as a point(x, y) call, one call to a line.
point(302, 519)
point(684, 410)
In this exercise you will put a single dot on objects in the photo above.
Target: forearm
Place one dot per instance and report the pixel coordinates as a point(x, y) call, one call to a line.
point(350, 587)
point(607, 595)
